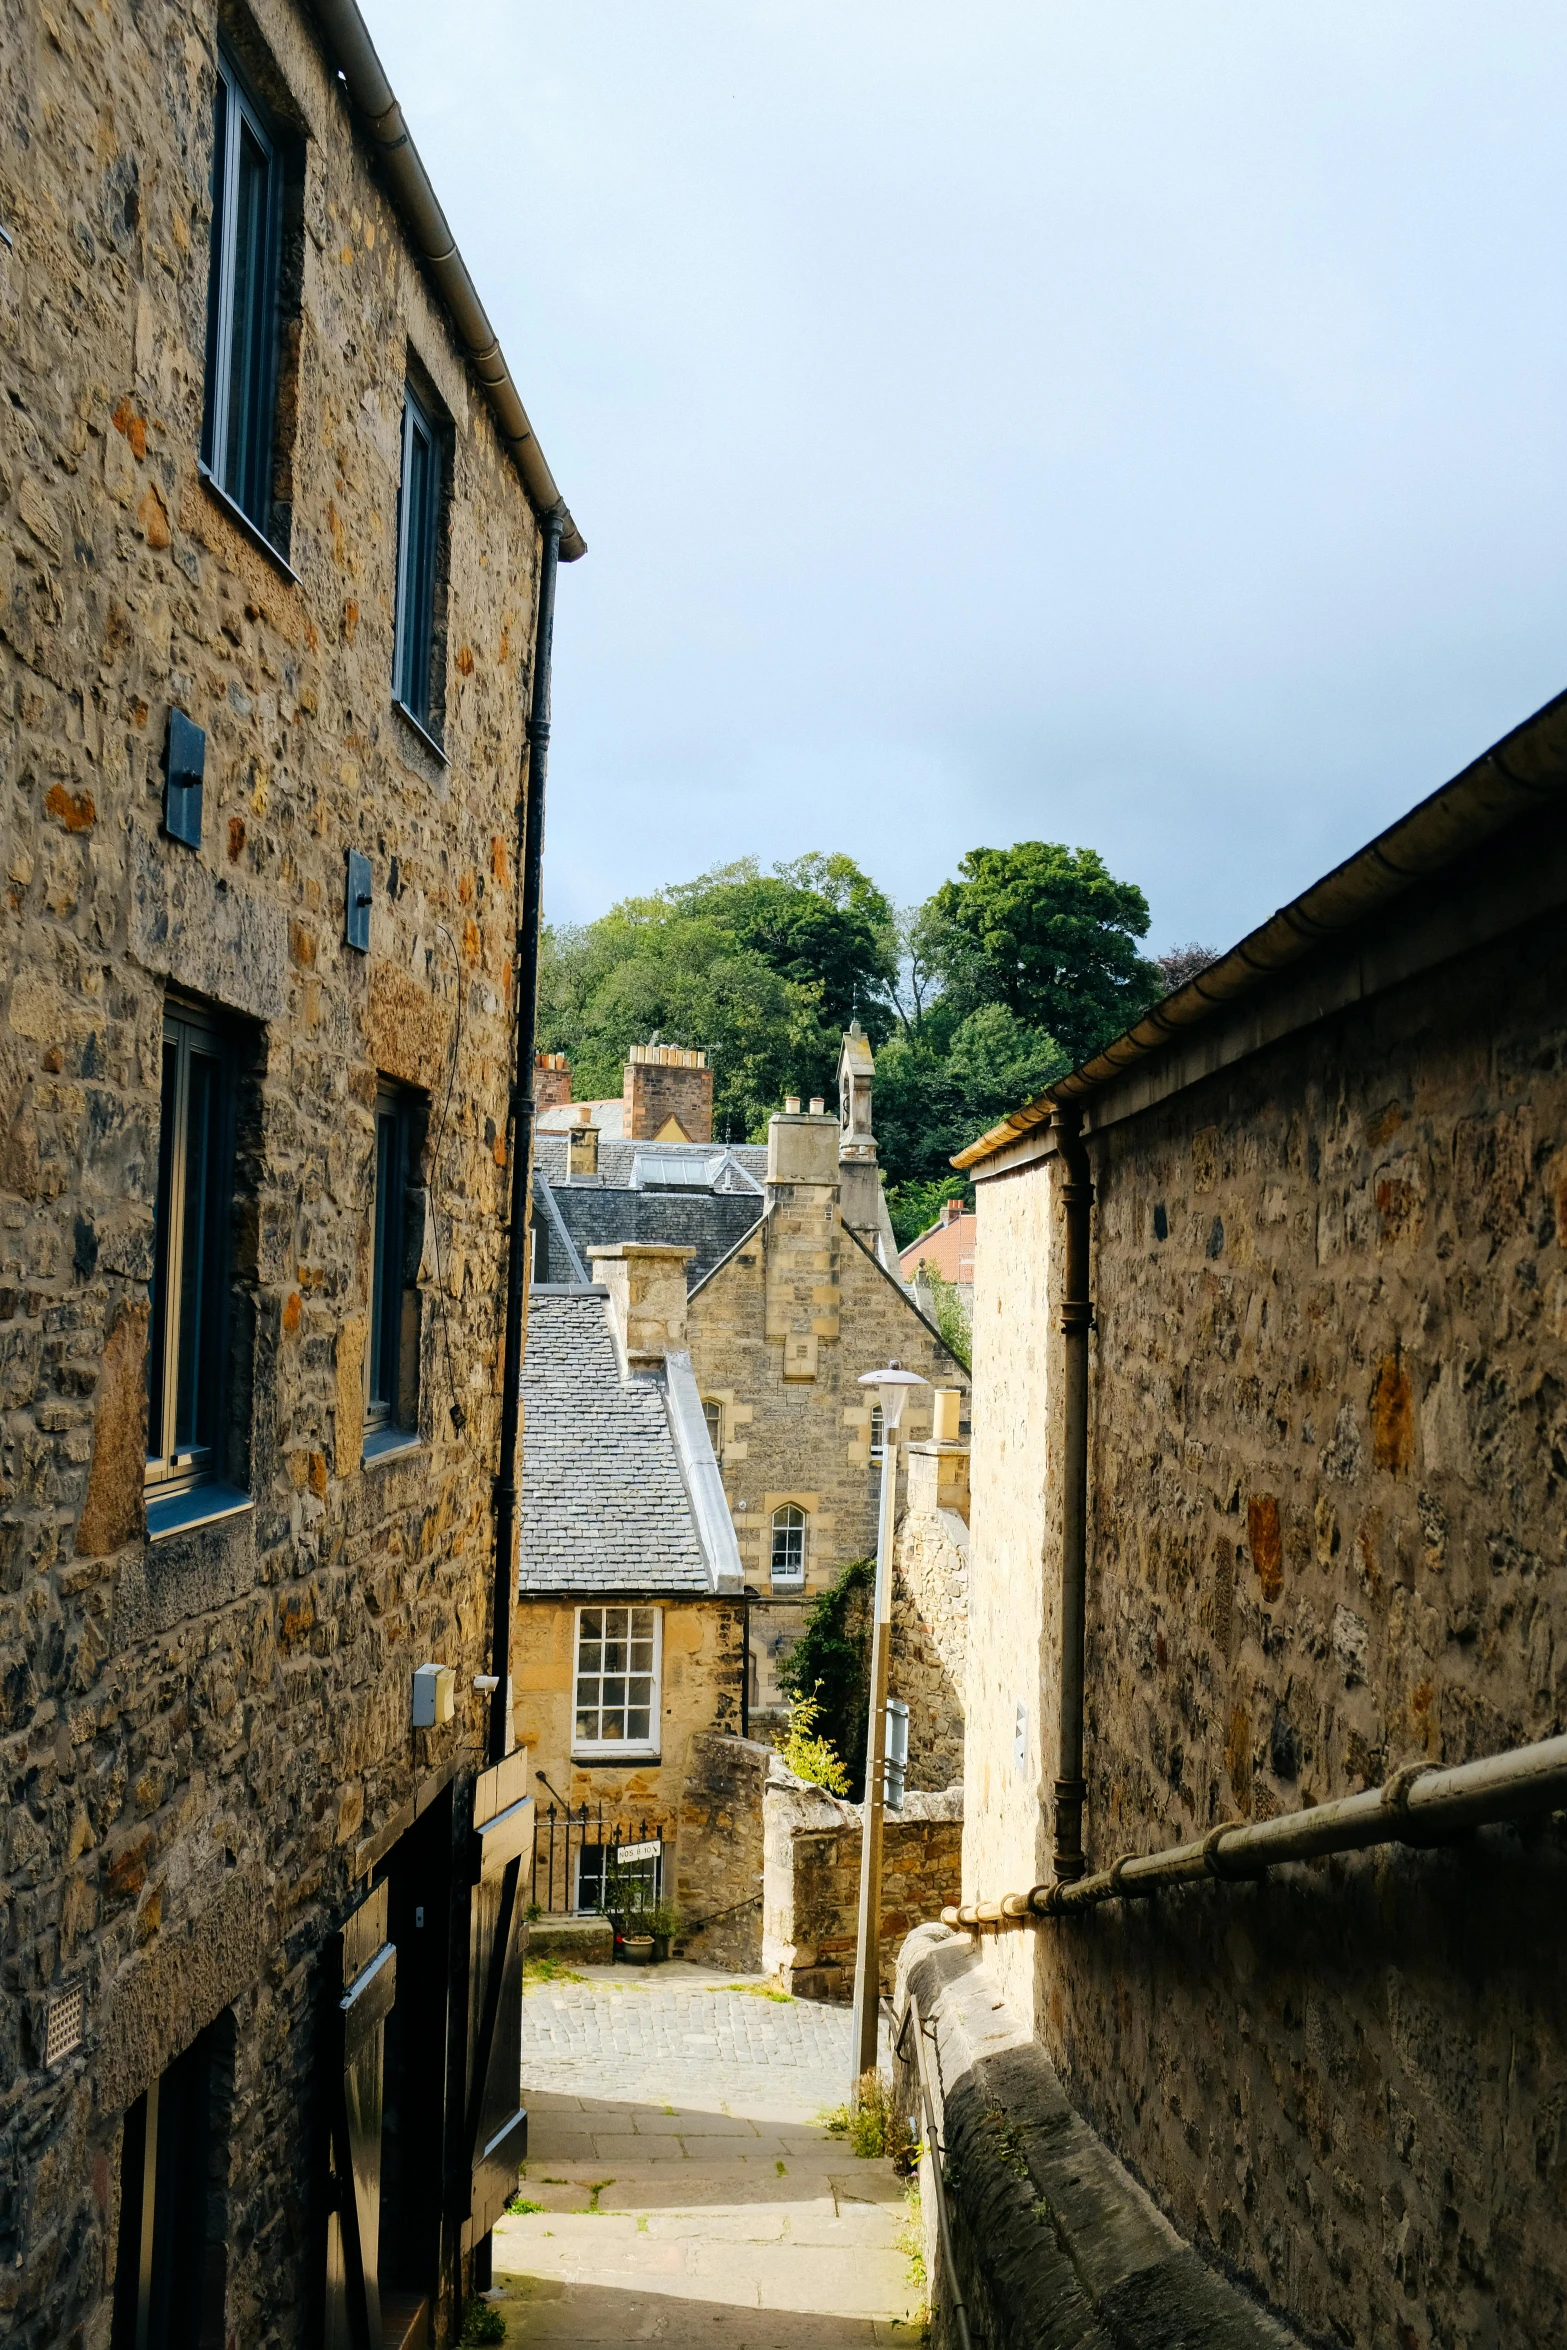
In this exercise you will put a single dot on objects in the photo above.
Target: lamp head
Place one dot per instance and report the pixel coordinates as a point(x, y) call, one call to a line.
point(892, 1387)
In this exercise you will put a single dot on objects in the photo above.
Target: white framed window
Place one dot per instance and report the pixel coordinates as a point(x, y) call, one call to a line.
point(878, 1435)
point(619, 1661)
point(788, 1560)
point(713, 1414)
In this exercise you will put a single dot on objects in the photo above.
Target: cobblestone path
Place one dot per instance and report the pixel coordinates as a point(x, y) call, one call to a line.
point(689, 2191)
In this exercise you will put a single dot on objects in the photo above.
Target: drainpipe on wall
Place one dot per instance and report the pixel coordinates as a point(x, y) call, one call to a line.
point(525, 986)
point(1077, 1315)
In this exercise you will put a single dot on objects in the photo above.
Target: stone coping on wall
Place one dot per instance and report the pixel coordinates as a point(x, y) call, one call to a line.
point(1055, 2241)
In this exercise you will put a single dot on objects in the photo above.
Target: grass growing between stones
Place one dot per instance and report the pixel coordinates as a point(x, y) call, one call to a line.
point(760, 1991)
point(545, 1969)
point(911, 2243)
point(871, 2123)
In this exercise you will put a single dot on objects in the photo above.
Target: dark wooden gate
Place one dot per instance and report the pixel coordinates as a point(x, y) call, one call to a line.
point(495, 2124)
point(365, 1978)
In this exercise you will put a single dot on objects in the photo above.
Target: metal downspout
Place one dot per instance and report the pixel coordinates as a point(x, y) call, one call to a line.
point(525, 985)
point(1077, 1315)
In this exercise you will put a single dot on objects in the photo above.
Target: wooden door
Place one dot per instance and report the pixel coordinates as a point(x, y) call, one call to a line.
point(495, 2122)
point(364, 1979)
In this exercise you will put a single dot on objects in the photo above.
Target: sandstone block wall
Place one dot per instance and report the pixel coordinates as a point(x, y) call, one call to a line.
point(200, 1740)
point(720, 1875)
point(929, 1661)
point(811, 1881)
point(1328, 1429)
point(702, 1648)
point(779, 1335)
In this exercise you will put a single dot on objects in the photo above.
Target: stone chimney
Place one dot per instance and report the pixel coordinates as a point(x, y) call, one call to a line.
point(938, 1469)
point(666, 1095)
point(647, 1300)
point(582, 1149)
point(859, 1178)
point(551, 1080)
point(800, 1238)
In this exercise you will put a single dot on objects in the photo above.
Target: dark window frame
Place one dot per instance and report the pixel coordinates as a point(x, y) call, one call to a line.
point(391, 1382)
point(418, 634)
point(244, 476)
point(189, 1326)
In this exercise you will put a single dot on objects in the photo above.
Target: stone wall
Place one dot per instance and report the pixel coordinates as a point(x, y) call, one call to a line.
point(930, 1611)
point(779, 1336)
point(702, 1655)
point(664, 1082)
point(201, 1739)
point(1326, 1538)
point(720, 1878)
point(811, 1881)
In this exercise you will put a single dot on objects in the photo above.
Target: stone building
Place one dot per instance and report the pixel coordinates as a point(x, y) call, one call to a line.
point(1306, 1474)
point(666, 1095)
point(272, 530)
point(780, 1331)
point(632, 1623)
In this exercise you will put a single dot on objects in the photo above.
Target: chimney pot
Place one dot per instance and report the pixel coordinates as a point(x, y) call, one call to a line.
point(791, 1105)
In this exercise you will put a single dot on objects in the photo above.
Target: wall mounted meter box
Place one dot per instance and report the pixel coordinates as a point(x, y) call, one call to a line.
point(435, 1696)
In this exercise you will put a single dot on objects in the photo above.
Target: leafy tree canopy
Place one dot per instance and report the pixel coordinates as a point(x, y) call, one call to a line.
point(1048, 932)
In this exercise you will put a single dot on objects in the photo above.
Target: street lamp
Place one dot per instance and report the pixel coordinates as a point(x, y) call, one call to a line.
point(892, 1388)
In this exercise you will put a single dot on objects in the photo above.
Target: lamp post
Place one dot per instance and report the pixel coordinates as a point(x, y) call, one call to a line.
point(891, 1387)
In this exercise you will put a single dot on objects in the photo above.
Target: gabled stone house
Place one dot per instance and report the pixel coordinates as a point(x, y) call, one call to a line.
point(632, 1621)
point(273, 529)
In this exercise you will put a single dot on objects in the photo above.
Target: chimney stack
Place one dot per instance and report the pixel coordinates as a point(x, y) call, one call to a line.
point(647, 1300)
point(551, 1080)
point(666, 1094)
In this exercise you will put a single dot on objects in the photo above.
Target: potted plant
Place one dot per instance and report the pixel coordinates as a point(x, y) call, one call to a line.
point(664, 1923)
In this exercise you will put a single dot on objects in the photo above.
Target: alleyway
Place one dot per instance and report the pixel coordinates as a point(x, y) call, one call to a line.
point(690, 2192)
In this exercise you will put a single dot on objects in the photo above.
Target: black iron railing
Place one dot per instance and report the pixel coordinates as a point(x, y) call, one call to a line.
point(584, 1863)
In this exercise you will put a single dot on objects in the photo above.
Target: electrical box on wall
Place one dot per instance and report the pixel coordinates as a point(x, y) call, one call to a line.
point(435, 1696)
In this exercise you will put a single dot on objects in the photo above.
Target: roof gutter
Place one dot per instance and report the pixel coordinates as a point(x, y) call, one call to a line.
point(348, 39)
point(1523, 773)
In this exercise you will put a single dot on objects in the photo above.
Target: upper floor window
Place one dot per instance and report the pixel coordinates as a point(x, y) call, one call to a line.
point(618, 1663)
point(713, 1414)
point(187, 1355)
point(788, 1561)
point(392, 1358)
point(878, 1433)
point(242, 300)
point(416, 670)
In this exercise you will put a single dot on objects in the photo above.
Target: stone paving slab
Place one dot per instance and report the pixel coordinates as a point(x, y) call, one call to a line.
point(725, 2213)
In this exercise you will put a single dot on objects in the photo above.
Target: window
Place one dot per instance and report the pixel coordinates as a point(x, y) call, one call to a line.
point(877, 1433)
point(392, 1358)
point(242, 301)
point(189, 1297)
point(713, 1414)
point(414, 678)
point(788, 1545)
point(617, 1681)
point(170, 2269)
point(632, 1883)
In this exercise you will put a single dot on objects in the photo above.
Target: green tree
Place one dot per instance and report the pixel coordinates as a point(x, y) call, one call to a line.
point(1049, 933)
point(931, 1103)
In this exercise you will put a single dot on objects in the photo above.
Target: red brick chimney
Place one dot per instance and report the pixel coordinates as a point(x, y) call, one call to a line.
point(551, 1080)
point(667, 1093)
point(951, 1210)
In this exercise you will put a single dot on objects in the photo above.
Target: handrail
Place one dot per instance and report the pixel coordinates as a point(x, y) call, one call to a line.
point(949, 2266)
point(1420, 1803)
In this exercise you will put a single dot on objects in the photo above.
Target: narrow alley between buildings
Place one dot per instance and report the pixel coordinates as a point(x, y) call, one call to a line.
point(684, 2184)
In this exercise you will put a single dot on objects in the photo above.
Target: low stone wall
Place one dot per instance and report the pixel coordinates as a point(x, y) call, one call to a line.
point(1053, 2239)
point(811, 1881)
point(720, 1870)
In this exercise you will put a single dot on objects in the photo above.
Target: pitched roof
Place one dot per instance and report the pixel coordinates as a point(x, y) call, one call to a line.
point(949, 1247)
point(604, 1504)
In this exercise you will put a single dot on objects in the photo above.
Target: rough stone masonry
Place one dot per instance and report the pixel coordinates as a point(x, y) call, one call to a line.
point(203, 1738)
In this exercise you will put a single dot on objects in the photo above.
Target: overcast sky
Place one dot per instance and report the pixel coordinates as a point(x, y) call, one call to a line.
point(1136, 425)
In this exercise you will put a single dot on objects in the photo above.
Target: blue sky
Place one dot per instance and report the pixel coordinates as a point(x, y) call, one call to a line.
point(1138, 425)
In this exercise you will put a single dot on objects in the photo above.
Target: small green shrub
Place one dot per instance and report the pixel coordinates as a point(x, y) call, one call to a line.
point(481, 2322)
point(871, 2124)
point(520, 2204)
point(807, 1753)
point(830, 1664)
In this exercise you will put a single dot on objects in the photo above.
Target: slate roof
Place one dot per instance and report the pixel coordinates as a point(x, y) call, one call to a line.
point(597, 1210)
point(604, 1505)
point(616, 1159)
